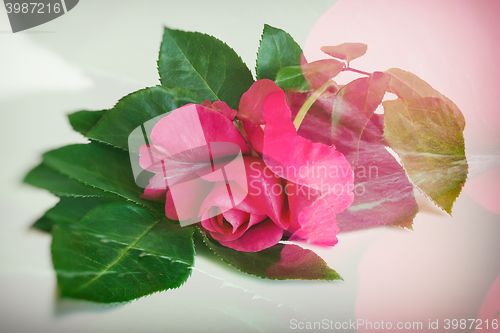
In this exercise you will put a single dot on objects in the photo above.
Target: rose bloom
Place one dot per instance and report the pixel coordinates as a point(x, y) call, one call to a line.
point(290, 178)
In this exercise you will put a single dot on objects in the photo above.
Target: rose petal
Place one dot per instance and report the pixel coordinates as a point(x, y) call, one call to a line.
point(265, 194)
point(170, 211)
point(312, 217)
point(236, 218)
point(259, 237)
point(301, 161)
point(255, 135)
point(156, 188)
point(193, 126)
point(222, 108)
point(252, 101)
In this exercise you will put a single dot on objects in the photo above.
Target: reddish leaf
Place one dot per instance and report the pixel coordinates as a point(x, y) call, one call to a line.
point(280, 262)
point(345, 51)
point(427, 135)
point(318, 72)
point(426, 128)
point(408, 86)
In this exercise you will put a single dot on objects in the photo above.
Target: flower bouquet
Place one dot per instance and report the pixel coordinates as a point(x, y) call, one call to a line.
point(246, 170)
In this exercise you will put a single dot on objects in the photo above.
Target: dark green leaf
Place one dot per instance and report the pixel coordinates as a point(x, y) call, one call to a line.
point(202, 66)
point(115, 126)
point(119, 252)
point(83, 121)
point(280, 262)
point(43, 224)
point(277, 50)
point(97, 165)
point(68, 210)
point(292, 78)
point(45, 177)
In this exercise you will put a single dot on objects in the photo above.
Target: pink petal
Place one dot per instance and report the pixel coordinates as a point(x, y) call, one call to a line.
point(183, 146)
point(321, 169)
point(252, 101)
point(183, 200)
point(265, 192)
point(156, 188)
point(236, 217)
point(265, 195)
point(255, 135)
point(262, 205)
point(193, 126)
point(256, 218)
point(300, 160)
point(215, 225)
point(222, 231)
point(312, 217)
point(146, 159)
point(222, 108)
point(257, 238)
point(229, 227)
point(170, 211)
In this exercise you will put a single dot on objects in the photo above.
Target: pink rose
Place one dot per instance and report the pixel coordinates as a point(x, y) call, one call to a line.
point(286, 197)
point(257, 222)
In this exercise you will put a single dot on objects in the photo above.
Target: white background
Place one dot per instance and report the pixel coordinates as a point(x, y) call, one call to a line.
point(102, 50)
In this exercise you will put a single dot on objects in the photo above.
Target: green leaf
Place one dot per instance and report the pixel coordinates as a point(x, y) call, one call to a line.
point(277, 50)
point(119, 252)
point(45, 177)
point(202, 66)
point(116, 124)
point(428, 137)
point(280, 262)
point(83, 121)
point(99, 166)
point(425, 128)
point(43, 224)
point(68, 210)
point(292, 78)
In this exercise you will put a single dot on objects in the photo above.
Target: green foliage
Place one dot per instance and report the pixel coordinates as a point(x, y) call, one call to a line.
point(277, 50)
point(119, 252)
point(280, 262)
point(202, 67)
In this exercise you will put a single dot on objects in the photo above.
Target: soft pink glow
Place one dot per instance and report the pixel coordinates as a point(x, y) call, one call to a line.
point(453, 44)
